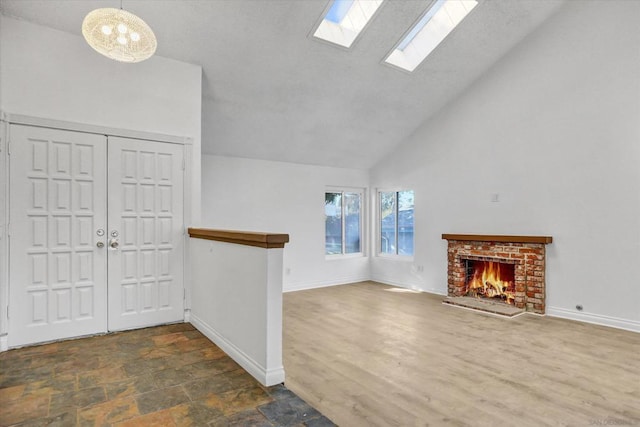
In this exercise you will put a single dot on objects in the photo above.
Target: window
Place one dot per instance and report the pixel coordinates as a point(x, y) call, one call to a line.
point(343, 222)
point(436, 24)
point(396, 222)
point(345, 19)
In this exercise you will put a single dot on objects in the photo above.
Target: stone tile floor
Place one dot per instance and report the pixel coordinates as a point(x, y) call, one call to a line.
point(169, 375)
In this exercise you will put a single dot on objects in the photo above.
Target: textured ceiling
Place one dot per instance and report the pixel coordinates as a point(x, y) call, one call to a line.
point(271, 91)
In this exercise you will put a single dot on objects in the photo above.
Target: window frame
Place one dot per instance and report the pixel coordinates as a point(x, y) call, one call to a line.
point(362, 222)
point(378, 217)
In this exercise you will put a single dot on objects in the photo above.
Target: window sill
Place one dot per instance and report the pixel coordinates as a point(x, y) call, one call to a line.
point(338, 257)
point(400, 258)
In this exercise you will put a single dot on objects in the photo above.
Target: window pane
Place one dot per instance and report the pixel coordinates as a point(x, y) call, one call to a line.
point(352, 223)
point(388, 223)
point(333, 223)
point(405, 223)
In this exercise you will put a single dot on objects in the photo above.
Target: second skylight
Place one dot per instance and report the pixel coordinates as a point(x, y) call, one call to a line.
point(431, 29)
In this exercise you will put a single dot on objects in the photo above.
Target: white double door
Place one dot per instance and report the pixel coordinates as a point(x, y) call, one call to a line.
point(96, 234)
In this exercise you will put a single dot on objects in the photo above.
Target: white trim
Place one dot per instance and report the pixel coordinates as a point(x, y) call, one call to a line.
point(392, 282)
point(303, 286)
point(596, 319)
point(266, 377)
point(338, 257)
point(4, 232)
point(188, 217)
point(395, 257)
point(19, 119)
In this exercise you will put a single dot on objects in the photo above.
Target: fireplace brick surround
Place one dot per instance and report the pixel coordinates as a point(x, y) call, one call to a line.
point(527, 253)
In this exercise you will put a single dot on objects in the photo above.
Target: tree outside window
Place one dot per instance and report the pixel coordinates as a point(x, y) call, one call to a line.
point(343, 222)
point(396, 222)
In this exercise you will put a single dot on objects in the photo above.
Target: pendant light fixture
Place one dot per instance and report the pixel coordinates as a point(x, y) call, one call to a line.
point(119, 35)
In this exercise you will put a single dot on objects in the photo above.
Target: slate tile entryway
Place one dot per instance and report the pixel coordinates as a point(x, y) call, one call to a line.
point(164, 376)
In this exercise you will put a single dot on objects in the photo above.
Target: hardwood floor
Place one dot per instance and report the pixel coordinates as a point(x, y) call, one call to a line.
point(368, 354)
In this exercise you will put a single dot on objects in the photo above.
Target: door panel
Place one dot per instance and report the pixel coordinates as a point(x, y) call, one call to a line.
point(57, 273)
point(146, 225)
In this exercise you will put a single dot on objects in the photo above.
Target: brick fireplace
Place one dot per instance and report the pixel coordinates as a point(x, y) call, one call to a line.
point(523, 255)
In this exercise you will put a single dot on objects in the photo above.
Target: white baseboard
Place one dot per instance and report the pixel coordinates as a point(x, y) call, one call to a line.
point(391, 282)
point(187, 315)
point(597, 319)
point(346, 281)
point(323, 283)
point(266, 377)
point(4, 343)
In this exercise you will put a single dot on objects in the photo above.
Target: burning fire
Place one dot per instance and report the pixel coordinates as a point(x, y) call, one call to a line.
point(492, 280)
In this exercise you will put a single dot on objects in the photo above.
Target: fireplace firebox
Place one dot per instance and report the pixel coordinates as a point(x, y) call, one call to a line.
point(506, 269)
point(493, 280)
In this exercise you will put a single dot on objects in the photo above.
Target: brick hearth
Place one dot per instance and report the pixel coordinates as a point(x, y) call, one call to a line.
point(527, 253)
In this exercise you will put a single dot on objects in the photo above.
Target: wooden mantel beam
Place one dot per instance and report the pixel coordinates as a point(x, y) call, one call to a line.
point(499, 238)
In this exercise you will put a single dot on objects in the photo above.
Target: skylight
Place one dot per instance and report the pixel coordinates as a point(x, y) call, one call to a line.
point(431, 29)
point(345, 19)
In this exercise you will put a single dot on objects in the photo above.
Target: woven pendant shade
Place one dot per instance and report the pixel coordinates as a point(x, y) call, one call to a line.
point(119, 35)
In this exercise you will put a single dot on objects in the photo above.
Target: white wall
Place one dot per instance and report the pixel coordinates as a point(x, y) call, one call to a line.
point(237, 303)
point(55, 75)
point(258, 195)
point(554, 129)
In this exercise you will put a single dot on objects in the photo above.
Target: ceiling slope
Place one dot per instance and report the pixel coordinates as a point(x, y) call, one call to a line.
point(271, 91)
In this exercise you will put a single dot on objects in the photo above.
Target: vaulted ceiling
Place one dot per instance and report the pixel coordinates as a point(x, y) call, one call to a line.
point(272, 91)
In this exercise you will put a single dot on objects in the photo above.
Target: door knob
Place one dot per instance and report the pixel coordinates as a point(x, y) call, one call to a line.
point(100, 244)
point(114, 244)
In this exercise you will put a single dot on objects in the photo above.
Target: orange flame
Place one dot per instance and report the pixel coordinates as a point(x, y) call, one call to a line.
point(491, 280)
